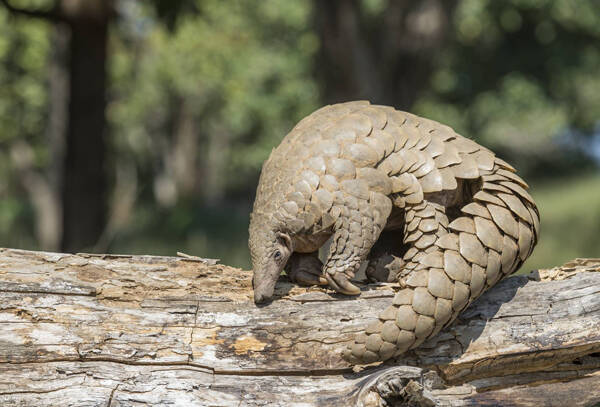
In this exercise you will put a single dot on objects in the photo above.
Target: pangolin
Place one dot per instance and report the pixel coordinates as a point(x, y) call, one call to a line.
point(427, 208)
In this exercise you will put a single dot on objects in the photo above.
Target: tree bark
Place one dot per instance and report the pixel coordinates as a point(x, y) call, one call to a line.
point(91, 330)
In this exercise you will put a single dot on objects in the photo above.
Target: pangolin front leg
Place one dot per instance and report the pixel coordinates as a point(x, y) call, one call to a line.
point(356, 230)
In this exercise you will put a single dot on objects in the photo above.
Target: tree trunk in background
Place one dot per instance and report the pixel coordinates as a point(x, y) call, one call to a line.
point(385, 57)
point(81, 178)
point(84, 191)
point(56, 133)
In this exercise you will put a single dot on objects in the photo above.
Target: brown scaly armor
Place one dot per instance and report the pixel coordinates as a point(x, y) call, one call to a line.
point(428, 208)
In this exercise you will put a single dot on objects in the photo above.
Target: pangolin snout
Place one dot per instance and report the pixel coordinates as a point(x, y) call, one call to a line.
point(263, 289)
point(263, 294)
point(260, 298)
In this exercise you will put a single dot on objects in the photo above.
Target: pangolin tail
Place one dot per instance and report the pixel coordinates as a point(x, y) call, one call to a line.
point(451, 263)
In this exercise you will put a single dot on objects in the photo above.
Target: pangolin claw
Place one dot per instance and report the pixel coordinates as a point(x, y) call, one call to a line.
point(340, 283)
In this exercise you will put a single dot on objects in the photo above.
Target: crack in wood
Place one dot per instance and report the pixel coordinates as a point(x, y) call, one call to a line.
point(112, 393)
point(41, 292)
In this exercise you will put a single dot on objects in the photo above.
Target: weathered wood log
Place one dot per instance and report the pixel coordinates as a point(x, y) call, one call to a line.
point(105, 330)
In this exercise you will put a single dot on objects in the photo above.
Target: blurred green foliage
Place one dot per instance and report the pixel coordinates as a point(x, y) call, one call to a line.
point(243, 68)
point(517, 74)
point(196, 105)
point(24, 49)
point(570, 216)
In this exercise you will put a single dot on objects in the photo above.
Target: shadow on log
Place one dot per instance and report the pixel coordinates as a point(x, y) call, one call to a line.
point(106, 330)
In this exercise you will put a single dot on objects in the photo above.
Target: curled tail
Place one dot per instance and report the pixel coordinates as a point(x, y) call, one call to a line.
point(450, 264)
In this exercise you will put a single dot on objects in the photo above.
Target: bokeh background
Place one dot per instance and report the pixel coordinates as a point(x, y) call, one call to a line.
point(141, 127)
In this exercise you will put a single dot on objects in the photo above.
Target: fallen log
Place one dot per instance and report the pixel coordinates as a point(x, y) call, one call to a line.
point(107, 330)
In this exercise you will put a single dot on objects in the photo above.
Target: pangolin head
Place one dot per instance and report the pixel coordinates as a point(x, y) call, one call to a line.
point(270, 248)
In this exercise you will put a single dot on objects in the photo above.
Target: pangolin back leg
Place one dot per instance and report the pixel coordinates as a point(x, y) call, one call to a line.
point(451, 263)
point(385, 260)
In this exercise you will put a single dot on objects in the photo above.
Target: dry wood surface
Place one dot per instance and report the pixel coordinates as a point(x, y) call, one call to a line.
point(108, 330)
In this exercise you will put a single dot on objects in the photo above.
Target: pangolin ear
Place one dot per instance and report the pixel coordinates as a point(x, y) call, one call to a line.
point(287, 241)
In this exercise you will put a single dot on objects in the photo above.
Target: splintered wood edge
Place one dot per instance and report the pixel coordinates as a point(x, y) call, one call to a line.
point(84, 274)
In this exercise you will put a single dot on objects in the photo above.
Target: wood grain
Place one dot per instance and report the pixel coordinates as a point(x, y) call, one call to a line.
point(106, 330)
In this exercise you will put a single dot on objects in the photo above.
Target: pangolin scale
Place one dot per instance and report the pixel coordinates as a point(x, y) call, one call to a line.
point(428, 208)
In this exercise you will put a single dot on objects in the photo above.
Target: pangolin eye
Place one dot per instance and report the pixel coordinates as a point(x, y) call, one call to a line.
point(277, 255)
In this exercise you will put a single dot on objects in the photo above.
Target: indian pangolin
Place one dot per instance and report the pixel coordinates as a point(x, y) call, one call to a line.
point(427, 208)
